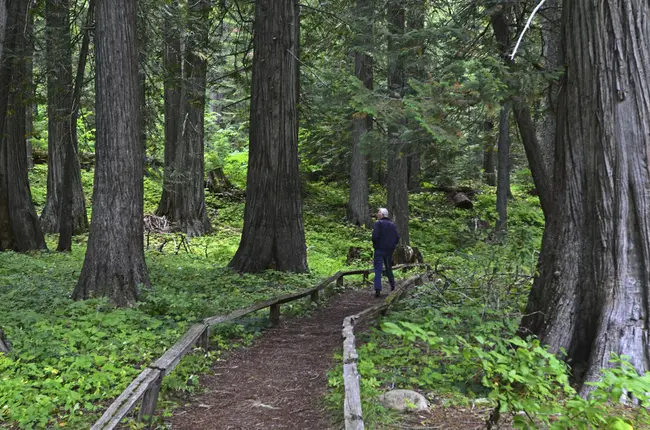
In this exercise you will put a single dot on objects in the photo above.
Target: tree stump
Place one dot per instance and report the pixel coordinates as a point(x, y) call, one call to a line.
point(217, 181)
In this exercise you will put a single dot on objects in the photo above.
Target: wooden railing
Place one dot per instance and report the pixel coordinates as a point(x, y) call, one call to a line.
point(146, 386)
point(352, 411)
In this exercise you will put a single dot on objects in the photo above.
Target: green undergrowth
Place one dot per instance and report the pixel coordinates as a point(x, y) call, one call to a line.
point(454, 339)
point(71, 359)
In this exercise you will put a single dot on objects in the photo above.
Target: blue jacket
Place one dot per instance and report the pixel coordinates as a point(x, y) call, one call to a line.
point(384, 235)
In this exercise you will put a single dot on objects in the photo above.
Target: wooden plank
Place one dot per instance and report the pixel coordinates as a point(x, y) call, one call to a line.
point(338, 277)
point(170, 359)
point(275, 315)
point(352, 410)
point(127, 400)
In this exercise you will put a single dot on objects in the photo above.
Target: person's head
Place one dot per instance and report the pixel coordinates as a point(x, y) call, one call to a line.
point(382, 213)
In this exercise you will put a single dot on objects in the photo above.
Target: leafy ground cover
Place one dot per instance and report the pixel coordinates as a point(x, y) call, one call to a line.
point(72, 358)
point(455, 341)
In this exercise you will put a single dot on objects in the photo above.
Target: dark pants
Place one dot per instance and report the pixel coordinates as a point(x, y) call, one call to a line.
point(383, 257)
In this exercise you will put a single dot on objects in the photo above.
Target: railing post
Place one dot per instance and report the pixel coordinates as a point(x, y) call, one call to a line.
point(149, 400)
point(204, 340)
point(314, 296)
point(339, 281)
point(275, 315)
point(365, 277)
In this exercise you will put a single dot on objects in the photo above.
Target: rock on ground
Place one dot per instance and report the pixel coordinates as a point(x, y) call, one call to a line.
point(403, 400)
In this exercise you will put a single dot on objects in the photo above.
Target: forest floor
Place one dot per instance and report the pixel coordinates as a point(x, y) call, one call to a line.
point(280, 381)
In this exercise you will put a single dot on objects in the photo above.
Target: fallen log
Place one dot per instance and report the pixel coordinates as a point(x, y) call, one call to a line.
point(468, 191)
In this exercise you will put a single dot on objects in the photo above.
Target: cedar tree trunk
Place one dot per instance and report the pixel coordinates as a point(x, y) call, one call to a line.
point(592, 294)
point(172, 81)
point(417, 69)
point(60, 91)
point(20, 229)
point(114, 266)
point(396, 163)
point(553, 63)
point(186, 199)
point(273, 236)
point(539, 153)
point(358, 203)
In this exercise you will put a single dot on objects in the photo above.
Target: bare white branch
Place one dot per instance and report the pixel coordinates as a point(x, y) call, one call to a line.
point(521, 36)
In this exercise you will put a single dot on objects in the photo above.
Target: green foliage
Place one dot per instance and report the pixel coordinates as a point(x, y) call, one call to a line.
point(71, 358)
point(236, 168)
point(602, 408)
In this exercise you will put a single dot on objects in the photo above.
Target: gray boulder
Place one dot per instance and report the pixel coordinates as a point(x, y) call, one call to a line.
point(403, 400)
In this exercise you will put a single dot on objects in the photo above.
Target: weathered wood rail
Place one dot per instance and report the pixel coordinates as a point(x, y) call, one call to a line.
point(352, 410)
point(146, 386)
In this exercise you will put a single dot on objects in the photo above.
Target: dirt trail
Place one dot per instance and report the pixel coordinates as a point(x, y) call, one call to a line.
point(279, 381)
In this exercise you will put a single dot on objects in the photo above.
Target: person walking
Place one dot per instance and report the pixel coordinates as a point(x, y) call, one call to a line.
point(384, 241)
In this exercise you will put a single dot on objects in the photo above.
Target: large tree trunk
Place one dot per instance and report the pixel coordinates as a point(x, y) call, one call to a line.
point(273, 235)
point(553, 62)
point(114, 266)
point(19, 226)
point(29, 79)
point(186, 202)
point(172, 81)
point(417, 69)
point(143, 49)
point(539, 153)
point(60, 92)
point(396, 163)
point(591, 296)
point(358, 203)
point(503, 183)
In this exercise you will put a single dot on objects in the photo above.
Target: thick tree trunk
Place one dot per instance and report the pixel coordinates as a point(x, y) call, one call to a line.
point(273, 235)
point(503, 183)
point(186, 202)
point(396, 163)
point(71, 163)
point(19, 226)
point(416, 69)
point(172, 82)
point(114, 266)
point(60, 92)
point(591, 296)
point(143, 47)
point(553, 62)
point(539, 154)
point(31, 88)
point(358, 203)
